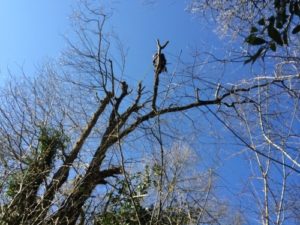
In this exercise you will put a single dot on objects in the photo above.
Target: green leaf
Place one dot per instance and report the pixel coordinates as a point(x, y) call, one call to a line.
point(279, 24)
point(285, 37)
point(271, 20)
point(258, 54)
point(276, 3)
point(262, 22)
point(248, 60)
point(296, 29)
point(253, 30)
point(273, 46)
point(274, 34)
point(254, 57)
point(253, 40)
point(292, 7)
point(297, 9)
point(281, 17)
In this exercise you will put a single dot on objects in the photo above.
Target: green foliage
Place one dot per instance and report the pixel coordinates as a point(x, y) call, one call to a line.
point(51, 140)
point(275, 34)
point(14, 181)
point(275, 30)
point(261, 22)
point(124, 206)
point(296, 29)
point(260, 52)
point(38, 163)
point(273, 46)
point(253, 40)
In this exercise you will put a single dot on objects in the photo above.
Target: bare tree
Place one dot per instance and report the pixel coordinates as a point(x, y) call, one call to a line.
point(60, 132)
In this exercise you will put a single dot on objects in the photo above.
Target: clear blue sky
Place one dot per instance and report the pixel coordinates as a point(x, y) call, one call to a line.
point(31, 32)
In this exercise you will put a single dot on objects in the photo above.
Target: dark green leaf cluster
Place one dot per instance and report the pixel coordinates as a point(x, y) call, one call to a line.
point(40, 161)
point(23, 185)
point(128, 207)
point(274, 31)
point(51, 140)
point(125, 203)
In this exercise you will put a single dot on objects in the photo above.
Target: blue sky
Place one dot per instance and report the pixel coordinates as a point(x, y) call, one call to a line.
point(139, 25)
point(31, 31)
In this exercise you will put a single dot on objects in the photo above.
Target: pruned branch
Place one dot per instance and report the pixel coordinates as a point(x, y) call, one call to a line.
point(160, 66)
